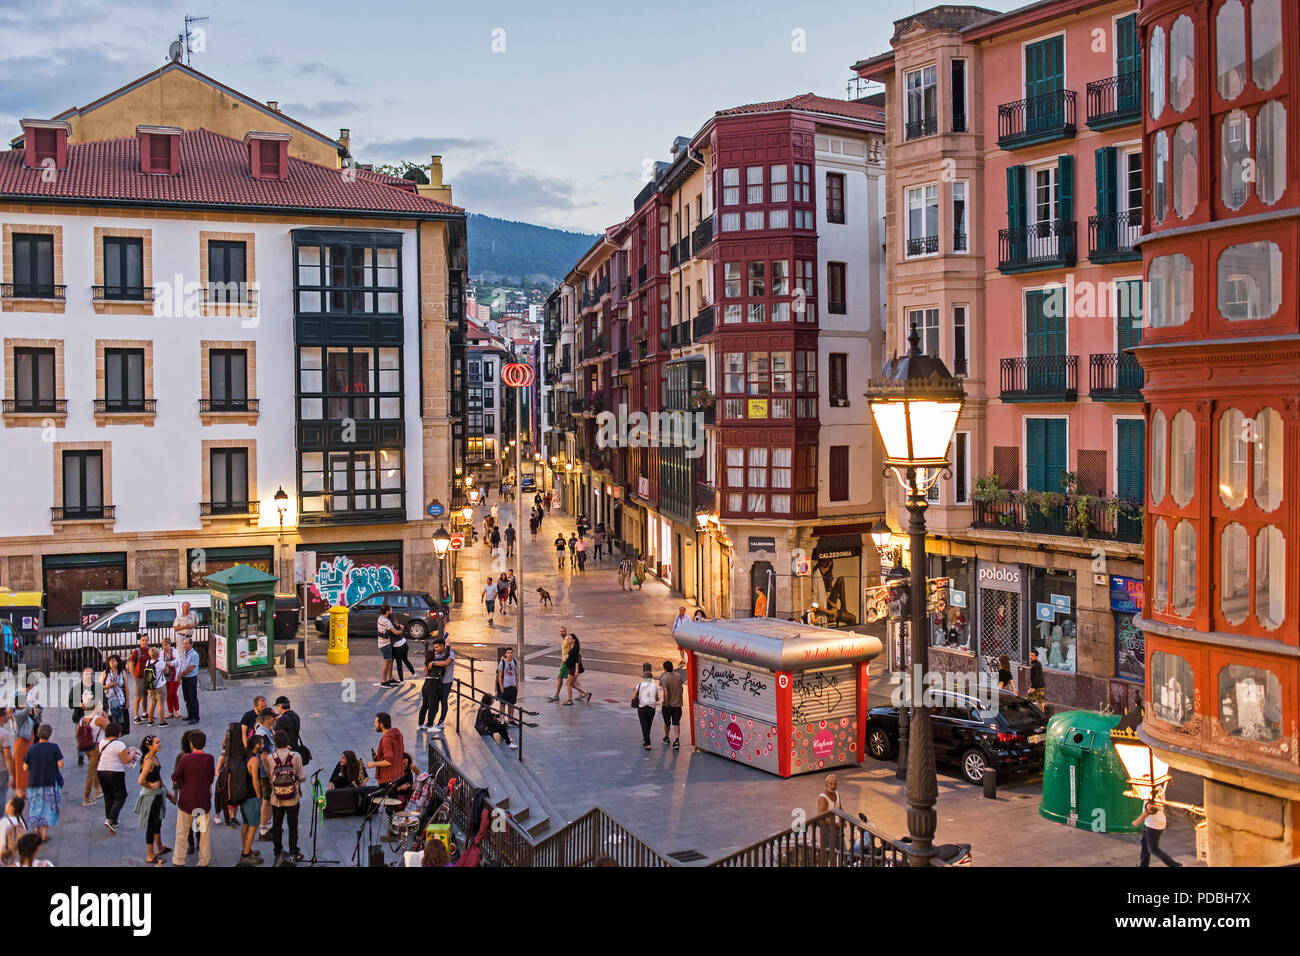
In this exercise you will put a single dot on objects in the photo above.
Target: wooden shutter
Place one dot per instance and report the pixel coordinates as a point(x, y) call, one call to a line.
point(1107, 203)
point(1129, 314)
point(1065, 188)
point(1016, 212)
point(1058, 452)
point(839, 464)
point(1006, 465)
point(1035, 453)
point(1130, 454)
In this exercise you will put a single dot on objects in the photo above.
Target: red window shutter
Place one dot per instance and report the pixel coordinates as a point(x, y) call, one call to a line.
point(47, 145)
point(160, 154)
point(268, 154)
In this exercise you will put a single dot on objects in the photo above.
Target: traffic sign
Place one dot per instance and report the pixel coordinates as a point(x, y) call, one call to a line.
point(457, 542)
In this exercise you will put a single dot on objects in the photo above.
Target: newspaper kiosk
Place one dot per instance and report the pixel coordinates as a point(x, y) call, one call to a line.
point(784, 697)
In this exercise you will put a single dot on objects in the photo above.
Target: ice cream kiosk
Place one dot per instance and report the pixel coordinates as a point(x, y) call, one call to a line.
point(243, 611)
point(784, 697)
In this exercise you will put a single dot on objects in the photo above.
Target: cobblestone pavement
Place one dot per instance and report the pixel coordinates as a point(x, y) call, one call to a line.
point(586, 754)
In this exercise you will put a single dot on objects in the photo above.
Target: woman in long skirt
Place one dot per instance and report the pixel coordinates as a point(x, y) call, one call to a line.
point(44, 782)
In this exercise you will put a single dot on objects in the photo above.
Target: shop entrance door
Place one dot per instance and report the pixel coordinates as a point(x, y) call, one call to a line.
point(999, 625)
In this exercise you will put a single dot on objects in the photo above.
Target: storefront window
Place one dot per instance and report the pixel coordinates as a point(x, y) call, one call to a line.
point(1182, 459)
point(1159, 441)
point(1234, 157)
point(1265, 42)
point(1270, 580)
point(999, 611)
point(1169, 291)
point(1156, 83)
point(950, 625)
point(1160, 186)
point(1250, 281)
point(1182, 63)
point(1234, 444)
point(1130, 644)
point(1055, 628)
point(1270, 152)
point(1230, 54)
point(1268, 459)
point(1183, 584)
point(1173, 689)
point(1250, 702)
point(1234, 573)
point(1161, 573)
point(1184, 179)
point(836, 580)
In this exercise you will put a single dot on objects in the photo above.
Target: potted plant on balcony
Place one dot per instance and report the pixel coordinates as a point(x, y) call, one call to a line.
point(596, 401)
point(701, 399)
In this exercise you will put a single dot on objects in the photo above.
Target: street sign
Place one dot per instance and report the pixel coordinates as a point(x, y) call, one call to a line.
point(435, 509)
point(457, 542)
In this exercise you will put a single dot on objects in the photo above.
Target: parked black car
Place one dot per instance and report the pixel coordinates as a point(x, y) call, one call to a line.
point(415, 611)
point(1010, 739)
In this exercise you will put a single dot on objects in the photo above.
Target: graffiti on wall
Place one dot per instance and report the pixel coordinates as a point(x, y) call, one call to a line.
point(340, 581)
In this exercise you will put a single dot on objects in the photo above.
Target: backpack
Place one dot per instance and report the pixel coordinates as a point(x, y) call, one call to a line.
point(284, 779)
point(150, 674)
point(85, 736)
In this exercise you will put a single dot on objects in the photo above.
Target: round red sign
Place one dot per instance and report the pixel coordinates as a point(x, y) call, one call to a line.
point(517, 375)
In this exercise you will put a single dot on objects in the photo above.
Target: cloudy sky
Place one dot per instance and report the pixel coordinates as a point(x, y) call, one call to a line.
point(542, 112)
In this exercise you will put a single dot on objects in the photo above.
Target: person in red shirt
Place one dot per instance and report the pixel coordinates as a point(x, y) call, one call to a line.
point(193, 778)
point(388, 759)
point(139, 658)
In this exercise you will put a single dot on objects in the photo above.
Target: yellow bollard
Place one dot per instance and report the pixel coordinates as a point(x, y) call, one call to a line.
point(338, 650)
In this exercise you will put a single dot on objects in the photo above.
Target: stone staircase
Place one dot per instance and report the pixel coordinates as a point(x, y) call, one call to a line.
point(489, 763)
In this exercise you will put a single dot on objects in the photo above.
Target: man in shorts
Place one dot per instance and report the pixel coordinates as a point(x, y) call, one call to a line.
point(508, 681)
point(490, 598)
point(564, 667)
point(671, 682)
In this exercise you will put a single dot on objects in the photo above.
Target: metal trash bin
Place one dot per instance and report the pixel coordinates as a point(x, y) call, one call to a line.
point(1083, 778)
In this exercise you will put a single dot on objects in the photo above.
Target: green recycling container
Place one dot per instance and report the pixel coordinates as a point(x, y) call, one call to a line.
point(1083, 778)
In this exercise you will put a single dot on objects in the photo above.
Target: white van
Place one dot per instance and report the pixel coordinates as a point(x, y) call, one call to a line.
point(118, 629)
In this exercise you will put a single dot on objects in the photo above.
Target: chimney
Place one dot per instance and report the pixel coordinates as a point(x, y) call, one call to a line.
point(436, 190)
point(160, 149)
point(274, 104)
point(45, 142)
point(345, 140)
point(435, 172)
point(268, 154)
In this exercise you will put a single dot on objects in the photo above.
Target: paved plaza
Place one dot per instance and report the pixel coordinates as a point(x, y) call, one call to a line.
point(585, 755)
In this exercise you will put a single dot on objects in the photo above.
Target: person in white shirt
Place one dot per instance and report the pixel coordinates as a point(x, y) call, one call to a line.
point(115, 758)
point(647, 696)
point(490, 597)
point(1153, 828)
point(678, 621)
point(190, 679)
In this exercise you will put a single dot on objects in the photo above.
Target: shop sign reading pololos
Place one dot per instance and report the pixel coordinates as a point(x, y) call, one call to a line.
point(1000, 577)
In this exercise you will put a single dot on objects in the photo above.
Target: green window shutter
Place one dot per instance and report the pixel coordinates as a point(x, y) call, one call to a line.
point(1130, 453)
point(1129, 313)
point(1016, 212)
point(1057, 458)
point(1044, 75)
point(1128, 64)
point(1035, 453)
point(1107, 225)
point(1065, 187)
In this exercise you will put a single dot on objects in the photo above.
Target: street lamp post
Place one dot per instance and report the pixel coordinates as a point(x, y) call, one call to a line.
point(281, 503)
point(441, 542)
point(915, 404)
point(882, 536)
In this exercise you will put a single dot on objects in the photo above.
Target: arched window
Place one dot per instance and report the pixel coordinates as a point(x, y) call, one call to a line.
point(1250, 281)
point(1270, 577)
point(1266, 43)
point(1234, 573)
point(1230, 50)
point(1234, 457)
point(1182, 63)
point(1156, 81)
point(1159, 449)
point(1182, 459)
point(1182, 585)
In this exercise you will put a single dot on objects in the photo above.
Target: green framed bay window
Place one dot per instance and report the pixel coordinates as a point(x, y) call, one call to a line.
point(348, 273)
point(360, 382)
point(355, 482)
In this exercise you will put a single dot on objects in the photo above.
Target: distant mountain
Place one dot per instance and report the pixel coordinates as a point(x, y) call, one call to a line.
point(515, 251)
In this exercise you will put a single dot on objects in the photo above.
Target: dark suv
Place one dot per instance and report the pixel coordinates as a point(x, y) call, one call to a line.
point(415, 611)
point(1010, 739)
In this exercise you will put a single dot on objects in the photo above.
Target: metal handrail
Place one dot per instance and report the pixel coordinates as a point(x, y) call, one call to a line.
point(831, 839)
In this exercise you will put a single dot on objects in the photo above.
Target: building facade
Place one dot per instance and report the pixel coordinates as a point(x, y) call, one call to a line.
point(1221, 232)
point(192, 323)
point(1015, 170)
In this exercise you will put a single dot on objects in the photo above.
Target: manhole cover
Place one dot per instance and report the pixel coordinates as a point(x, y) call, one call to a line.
point(688, 856)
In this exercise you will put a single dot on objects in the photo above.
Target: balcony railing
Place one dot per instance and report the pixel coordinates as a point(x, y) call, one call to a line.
point(1037, 119)
point(702, 235)
point(1043, 245)
point(922, 246)
point(241, 294)
point(1115, 377)
point(1031, 513)
point(680, 334)
point(24, 290)
point(229, 404)
point(1115, 101)
point(642, 350)
point(35, 406)
point(627, 286)
point(1110, 238)
point(959, 123)
point(83, 512)
point(674, 256)
point(125, 406)
point(209, 508)
point(1042, 378)
point(624, 359)
point(926, 126)
point(702, 324)
point(121, 293)
point(959, 242)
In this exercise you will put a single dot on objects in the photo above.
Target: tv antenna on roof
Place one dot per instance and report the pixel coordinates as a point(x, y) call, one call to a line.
point(186, 42)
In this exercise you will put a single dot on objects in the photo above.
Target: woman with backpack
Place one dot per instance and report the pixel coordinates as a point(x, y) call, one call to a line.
point(151, 801)
point(232, 776)
point(13, 826)
point(115, 691)
point(155, 684)
point(645, 701)
point(171, 658)
point(90, 731)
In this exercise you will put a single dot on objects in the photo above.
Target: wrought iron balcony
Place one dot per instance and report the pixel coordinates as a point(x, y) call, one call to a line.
point(26, 290)
point(922, 246)
point(959, 123)
point(83, 512)
point(125, 406)
point(229, 404)
point(121, 293)
point(1115, 101)
point(702, 235)
point(35, 406)
point(1028, 513)
point(959, 242)
point(1115, 377)
point(1037, 119)
point(926, 126)
point(1043, 245)
point(1110, 238)
point(702, 324)
point(209, 508)
point(1042, 378)
point(237, 293)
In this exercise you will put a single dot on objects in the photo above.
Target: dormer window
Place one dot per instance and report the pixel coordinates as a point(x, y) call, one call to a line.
point(160, 149)
point(268, 155)
point(45, 143)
